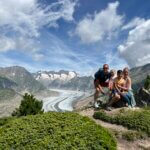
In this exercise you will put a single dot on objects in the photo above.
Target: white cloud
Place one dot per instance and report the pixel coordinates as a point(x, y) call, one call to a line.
point(100, 26)
point(6, 43)
point(136, 49)
point(24, 19)
point(38, 57)
point(136, 21)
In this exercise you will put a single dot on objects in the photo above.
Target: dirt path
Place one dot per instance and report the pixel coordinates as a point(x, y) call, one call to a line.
point(121, 143)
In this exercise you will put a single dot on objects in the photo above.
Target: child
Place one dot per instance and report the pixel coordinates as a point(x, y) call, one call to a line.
point(118, 81)
point(111, 81)
point(116, 90)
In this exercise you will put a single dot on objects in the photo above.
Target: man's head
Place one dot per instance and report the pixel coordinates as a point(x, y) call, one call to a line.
point(105, 68)
point(119, 74)
point(126, 71)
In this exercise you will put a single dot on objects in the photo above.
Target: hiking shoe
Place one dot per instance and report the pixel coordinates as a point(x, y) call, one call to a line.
point(96, 105)
point(109, 109)
point(129, 106)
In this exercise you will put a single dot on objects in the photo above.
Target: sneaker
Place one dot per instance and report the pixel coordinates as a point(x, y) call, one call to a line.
point(96, 105)
point(108, 108)
point(129, 106)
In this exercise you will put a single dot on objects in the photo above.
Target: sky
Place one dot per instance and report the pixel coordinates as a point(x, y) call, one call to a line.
point(74, 35)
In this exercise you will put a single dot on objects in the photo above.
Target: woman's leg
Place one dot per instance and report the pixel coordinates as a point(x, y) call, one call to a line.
point(133, 102)
point(127, 98)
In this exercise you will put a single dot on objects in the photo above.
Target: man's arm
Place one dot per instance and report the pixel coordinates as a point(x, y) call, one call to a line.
point(101, 89)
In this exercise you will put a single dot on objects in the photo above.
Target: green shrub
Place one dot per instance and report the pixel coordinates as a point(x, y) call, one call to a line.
point(133, 135)
point(136, 120)
point(147, 83)
point(55, 131)
point(5, 120)
point(29, 106)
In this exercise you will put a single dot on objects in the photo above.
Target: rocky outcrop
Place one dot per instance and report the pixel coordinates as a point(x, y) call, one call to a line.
point(143, 97)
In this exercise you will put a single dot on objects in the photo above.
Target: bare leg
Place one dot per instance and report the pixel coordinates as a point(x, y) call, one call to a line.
point(114, 99)
point(96, 94)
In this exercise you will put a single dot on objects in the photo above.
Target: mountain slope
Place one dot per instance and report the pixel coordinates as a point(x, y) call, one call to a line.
point(22, 78)
point(80, 83)
point(7, 88)
point(139, 74)
point(6, 83)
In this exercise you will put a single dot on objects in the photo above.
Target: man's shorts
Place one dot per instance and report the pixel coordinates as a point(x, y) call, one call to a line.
point(103, 84)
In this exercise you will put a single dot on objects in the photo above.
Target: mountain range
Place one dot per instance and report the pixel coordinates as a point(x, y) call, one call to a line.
point(64, 80)
point(16, 79)
point(71, 80)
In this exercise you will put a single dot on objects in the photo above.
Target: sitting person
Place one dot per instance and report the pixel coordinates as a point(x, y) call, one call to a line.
point(128, 95)
point(101, 80)
point(116, 91)
point(111, 81)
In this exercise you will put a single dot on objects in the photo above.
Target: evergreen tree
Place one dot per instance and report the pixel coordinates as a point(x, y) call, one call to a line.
point(29, 106)
point(147, 83)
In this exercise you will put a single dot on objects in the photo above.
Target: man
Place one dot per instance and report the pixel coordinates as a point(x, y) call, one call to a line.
point(101, 80)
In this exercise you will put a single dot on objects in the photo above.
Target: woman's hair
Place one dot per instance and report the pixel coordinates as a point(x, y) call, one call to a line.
point(113, 71)
point(126, 69)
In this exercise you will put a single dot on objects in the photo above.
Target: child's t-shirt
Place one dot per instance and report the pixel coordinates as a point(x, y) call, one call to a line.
point(120, 82)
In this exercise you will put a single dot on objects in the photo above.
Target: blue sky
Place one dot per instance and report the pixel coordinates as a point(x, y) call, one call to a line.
point(79, 35)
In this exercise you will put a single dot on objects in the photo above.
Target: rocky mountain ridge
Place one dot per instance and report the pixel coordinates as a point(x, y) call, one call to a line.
point(19, 79)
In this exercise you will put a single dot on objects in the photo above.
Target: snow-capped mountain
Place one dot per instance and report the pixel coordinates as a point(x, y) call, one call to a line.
point(62, 79)
point(52, 75)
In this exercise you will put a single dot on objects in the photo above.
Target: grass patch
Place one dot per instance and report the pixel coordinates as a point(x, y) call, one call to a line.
point(136, 120)
point(63, 131)
point(129, 135)
point(133, 135)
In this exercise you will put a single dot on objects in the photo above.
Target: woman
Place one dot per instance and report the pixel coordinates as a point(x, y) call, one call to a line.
point(128, 95)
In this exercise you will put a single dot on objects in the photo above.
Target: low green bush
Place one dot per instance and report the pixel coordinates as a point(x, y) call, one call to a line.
point(136, 120)
point(5, 120)
point(55, 131)
point(133, 135)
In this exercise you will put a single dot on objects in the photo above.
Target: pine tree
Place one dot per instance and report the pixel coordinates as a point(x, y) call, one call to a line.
point(29, 106)
point(147, 83)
